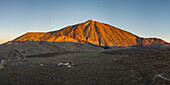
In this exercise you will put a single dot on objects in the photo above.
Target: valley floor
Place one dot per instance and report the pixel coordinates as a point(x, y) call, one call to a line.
point(114, 67)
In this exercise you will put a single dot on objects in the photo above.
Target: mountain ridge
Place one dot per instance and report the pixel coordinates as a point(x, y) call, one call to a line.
point(92, 32)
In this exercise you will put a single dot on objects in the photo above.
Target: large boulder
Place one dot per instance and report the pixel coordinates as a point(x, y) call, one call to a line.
point(3, 62)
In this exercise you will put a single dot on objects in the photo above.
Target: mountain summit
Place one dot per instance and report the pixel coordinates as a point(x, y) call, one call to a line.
point(92, 32)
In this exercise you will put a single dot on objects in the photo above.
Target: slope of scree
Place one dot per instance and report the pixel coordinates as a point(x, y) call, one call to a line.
point(92, 32)
point(35, 48)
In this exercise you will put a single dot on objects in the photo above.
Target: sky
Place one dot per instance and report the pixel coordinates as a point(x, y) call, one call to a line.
point(145, 18)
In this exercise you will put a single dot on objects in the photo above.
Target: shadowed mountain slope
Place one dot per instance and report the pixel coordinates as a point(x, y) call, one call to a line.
point(92, 32)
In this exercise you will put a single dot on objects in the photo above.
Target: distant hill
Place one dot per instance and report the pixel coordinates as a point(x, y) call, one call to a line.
point(36, 48)
point(92, 32)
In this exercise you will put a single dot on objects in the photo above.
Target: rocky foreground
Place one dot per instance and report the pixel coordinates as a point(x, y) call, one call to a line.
point(134, 66)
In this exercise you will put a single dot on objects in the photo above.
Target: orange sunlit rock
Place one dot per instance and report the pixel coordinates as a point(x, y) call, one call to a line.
point(9, 43)
point(91, 32)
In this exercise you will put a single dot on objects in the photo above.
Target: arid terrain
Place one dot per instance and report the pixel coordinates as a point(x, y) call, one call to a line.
point(84, 42)
point(89, 53)
point(119, 66)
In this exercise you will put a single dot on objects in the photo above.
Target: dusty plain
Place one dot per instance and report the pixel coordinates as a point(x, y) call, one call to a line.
point(133, 66)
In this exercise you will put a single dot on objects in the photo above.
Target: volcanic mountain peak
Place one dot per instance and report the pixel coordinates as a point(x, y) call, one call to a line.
point(90, 20)
point(92, 32)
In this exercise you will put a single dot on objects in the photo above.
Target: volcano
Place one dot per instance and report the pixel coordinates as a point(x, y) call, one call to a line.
point(92, 32)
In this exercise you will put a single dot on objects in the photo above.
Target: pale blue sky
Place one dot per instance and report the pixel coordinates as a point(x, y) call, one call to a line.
point(145, 18)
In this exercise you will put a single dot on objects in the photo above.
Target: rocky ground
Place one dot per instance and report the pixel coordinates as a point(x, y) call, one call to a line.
point(135, 66)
